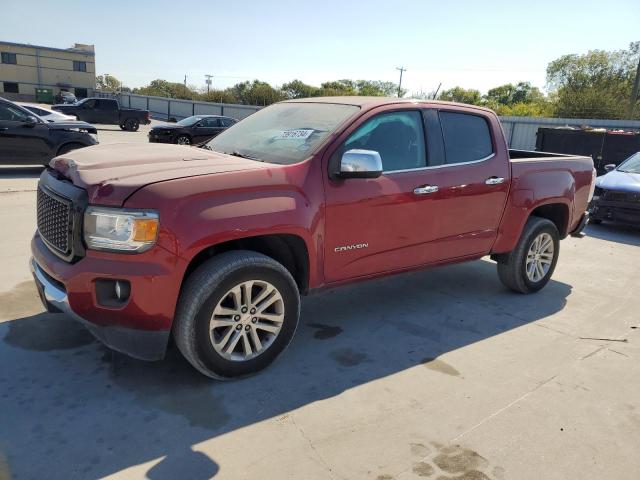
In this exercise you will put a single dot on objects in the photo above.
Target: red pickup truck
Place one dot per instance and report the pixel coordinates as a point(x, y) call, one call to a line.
point(215, 245)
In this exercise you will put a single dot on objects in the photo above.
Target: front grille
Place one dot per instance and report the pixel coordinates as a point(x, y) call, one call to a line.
point(55, 221)
point(621, 196)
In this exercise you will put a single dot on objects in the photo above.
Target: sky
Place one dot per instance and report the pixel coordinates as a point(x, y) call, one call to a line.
point(472, 44)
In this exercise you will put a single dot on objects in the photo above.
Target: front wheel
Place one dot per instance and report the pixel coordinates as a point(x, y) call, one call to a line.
point(237, 312)
point(530, 265)
point(183, 140)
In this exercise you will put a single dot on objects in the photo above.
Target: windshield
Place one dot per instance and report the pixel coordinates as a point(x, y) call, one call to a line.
point(187, 122)
point(84, 100)
point(283, 133)
point(631, 164)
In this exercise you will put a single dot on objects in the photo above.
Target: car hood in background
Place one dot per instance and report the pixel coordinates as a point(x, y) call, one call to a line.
point(72, 125)
point(620, 181)
point(111, 173)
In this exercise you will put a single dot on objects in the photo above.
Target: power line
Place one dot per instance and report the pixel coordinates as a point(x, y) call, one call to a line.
point(208, 81)
point(402, 70)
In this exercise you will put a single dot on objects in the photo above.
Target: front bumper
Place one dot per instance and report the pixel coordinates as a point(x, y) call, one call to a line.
point(620, 212)
point(145, 345)
point(155, 138)
point(141, 326)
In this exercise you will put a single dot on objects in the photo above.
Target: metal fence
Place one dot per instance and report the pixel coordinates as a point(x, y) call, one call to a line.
point(163, 108)
point(520, 131)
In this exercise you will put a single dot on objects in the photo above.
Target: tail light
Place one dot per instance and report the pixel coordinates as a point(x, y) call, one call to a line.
point(593, 184)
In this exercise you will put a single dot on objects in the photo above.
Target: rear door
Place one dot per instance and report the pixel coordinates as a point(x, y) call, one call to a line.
point(473, 182)
point(107, 112)
point(206, 128)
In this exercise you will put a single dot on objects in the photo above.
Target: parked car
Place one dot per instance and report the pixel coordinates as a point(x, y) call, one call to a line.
point(191, 130)
point(46, 114)
point(617, 193)
point(106, 111)
point(27, 139)
point(65, 97)
point(216, 245)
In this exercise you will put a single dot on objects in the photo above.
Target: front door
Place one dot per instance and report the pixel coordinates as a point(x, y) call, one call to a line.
point(386, 223)
point(21, 142)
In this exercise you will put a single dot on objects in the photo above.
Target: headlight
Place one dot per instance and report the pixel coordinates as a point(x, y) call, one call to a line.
point(118, 229)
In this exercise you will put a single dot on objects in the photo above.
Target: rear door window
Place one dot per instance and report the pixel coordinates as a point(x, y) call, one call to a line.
point(467, 137)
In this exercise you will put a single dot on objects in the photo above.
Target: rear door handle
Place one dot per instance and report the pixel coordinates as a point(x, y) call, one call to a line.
point(494, 180)
point(426, 189)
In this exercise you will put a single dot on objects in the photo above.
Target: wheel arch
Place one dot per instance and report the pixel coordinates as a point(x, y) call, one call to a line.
point(557, 212)
point(288, 249)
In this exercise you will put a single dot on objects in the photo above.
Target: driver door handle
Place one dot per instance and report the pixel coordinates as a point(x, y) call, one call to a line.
point(494, 180)
point(425, 189)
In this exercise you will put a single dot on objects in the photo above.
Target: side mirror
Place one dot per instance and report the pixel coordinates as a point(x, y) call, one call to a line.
point(30, 121)
point(609, 167)
point(360, 164)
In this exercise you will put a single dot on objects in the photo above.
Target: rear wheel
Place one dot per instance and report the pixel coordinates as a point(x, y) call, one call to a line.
point(183, 140)
point(236, 313)
point(132, 125)
point(530, 265)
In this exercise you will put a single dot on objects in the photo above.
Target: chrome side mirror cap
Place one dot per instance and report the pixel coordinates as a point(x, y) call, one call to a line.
point(609, 167)
point(360, 164)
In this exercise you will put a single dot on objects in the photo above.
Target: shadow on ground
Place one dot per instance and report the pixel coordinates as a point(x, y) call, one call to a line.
point(72, 409)
point(20, 171)
point(615, 232)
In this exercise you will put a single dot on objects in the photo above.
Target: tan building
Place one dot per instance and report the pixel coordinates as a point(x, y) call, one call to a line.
point(23, 68)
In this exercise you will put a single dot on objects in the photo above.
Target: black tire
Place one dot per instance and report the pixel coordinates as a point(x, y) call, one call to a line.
point(183, 140)
point(202, 291)
point(69, 147)
point(122, 127)
point(512, 267)
point(132, 125)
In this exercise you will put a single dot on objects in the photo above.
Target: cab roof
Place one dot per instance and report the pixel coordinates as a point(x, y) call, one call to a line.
point(372, 102)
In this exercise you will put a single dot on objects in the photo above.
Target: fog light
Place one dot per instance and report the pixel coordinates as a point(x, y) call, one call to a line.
point(112, 293)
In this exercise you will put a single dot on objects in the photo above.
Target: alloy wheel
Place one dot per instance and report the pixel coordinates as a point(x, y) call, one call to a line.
point(246, 320)
point(539, 257)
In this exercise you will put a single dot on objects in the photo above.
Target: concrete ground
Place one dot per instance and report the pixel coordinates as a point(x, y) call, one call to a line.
point(436, 374)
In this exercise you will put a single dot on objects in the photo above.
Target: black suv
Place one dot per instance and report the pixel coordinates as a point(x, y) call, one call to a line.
point(28, 140)
point(191, 130)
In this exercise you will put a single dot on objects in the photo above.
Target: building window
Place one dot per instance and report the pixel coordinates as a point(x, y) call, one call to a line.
point(79, 66)
point(81, 92)
point(9, 58)
point(10, 87)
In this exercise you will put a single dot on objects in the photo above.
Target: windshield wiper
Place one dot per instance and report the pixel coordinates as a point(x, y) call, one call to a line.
point(236, 153)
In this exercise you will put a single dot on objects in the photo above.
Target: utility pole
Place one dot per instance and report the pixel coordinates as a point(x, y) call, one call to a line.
point(185, 80)
point(435, 95)
point(402, 70)
point(208, 81)
point(634, 92)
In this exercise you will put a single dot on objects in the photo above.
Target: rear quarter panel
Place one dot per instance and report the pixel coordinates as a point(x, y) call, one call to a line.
point(543, 181)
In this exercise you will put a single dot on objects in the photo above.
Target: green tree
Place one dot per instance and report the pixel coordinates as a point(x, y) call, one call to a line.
point(109, 83)
point(594, 85)
point(299, 89)
point(510, 94)
point(163, 88)
point(461, 95)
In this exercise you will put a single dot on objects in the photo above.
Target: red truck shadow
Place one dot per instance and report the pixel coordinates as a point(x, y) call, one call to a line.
point(74, 409)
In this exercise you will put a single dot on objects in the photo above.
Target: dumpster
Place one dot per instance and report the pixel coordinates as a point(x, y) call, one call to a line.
point(44, 95)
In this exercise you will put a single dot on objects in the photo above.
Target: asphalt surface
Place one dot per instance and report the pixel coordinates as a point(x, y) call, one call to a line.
point(436, 374)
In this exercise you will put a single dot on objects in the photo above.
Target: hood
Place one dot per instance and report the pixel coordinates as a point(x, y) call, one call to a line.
point(620, 181)
point(110, 173)
point(72, 125)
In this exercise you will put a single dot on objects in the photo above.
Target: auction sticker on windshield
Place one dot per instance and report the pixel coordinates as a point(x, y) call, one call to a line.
point(299, 134)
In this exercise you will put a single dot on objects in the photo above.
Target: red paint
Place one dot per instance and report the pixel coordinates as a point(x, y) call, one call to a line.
point(212, 198)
